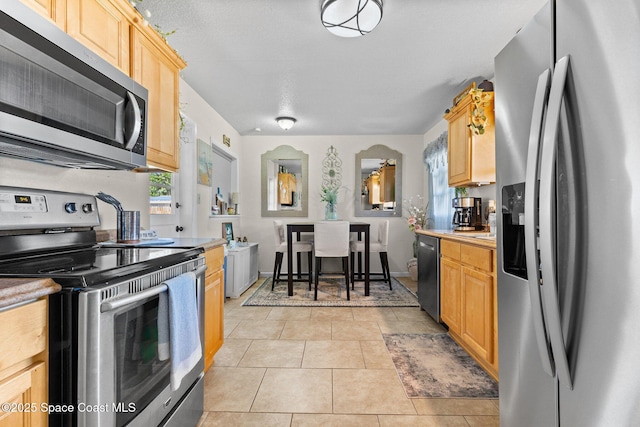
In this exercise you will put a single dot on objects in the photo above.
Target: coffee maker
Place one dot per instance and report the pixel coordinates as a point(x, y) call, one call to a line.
point(467, 214)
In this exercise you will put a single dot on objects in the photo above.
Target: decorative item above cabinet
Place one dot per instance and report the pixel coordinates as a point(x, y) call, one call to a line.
point(472, 153)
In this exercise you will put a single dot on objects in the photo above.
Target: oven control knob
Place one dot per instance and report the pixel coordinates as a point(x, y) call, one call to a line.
point(70, 207)
point(87, 208)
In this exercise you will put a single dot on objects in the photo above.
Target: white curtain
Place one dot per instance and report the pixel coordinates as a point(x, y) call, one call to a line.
point(440, 195)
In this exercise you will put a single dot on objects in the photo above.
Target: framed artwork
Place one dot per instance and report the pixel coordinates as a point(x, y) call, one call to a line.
point(227, 231)
point(205, 163)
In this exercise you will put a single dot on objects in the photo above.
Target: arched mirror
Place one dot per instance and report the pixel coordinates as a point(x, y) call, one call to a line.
point(285, 184)
point(378, 182)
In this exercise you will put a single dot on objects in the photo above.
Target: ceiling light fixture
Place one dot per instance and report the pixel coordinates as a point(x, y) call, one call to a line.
point(351, 18)
point(286, 123)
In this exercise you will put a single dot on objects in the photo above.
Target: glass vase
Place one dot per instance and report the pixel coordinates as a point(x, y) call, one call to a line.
point(331, 211)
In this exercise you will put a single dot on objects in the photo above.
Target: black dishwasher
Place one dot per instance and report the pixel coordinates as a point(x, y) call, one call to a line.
point(429, 275)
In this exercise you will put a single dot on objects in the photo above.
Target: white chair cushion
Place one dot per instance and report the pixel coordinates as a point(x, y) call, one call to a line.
point(358, 246)
point(331, 239)
point(281, 240)
point(301, 246)
point(374, 246)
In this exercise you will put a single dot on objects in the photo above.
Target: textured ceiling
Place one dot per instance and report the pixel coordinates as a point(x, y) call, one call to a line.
point(255, 60)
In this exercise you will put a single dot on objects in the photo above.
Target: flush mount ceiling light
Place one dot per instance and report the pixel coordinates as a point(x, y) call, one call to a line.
point(351, 18)
point(286, 123)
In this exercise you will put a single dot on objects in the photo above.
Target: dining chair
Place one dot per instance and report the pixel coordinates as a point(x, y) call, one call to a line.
point(379, 246)
point(281, 248)
point(331, 240)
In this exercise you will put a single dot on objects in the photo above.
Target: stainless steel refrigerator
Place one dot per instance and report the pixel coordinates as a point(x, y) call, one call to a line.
point(567, 93)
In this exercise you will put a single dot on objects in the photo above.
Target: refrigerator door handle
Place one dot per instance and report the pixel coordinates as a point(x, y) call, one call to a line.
point(547, 222)
point(531, 222)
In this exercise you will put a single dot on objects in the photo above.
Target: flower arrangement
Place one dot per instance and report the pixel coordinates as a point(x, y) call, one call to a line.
point(479, 120)
point(329, 194)
point(417, 210)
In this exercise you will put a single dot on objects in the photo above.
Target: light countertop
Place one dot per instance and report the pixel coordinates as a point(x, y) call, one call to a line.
point(479, 238)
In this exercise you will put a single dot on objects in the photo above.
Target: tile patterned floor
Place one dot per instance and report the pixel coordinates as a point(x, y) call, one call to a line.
point(303, 366)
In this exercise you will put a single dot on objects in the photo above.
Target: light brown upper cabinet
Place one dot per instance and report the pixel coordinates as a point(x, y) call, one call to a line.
point(287, 186)
point(55, 10)
point(109, 39)
point(472, 158)
point(116, 32)
point(156, 66)
point(388, 183)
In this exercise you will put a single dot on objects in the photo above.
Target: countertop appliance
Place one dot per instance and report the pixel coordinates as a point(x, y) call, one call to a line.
point(567, 109)
point(60, 103)
point(467, 214)
point(429, 275)
point(103, 340)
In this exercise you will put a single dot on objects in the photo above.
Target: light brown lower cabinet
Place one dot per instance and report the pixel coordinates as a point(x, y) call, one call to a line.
point(469, 301)
point(213, 304)
point(23, 365)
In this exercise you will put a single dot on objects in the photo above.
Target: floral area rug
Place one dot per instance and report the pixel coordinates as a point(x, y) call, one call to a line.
point(433, 365)
point(332, 293)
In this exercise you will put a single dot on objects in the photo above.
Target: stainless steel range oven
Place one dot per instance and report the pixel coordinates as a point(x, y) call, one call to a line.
point(106, 363)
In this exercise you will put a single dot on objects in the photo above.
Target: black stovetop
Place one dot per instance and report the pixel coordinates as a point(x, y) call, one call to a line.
point(94, 265)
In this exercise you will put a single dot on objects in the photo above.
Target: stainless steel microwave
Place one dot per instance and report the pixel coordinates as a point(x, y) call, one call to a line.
point(60, 103)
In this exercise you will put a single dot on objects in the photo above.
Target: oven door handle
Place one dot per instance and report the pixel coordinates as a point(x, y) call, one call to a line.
point(140, 296)
point(137, 297)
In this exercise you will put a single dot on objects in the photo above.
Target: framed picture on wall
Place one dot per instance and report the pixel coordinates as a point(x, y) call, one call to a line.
point(227, 231)
point(205, 163)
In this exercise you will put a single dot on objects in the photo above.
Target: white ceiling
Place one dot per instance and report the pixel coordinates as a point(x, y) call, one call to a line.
point(255, 60)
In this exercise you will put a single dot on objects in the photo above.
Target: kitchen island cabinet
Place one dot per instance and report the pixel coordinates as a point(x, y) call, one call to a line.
point(472, 159)
point(213, 304)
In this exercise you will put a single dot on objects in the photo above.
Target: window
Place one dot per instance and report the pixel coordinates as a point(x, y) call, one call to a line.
point(160, 193)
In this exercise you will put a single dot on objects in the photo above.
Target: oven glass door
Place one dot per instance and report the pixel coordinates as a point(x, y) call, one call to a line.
point(141, 371)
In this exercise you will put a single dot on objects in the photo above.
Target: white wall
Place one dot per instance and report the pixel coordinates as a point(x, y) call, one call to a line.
point(210, 127)
point(248, 149)
point(260, 229)
point(130, 188)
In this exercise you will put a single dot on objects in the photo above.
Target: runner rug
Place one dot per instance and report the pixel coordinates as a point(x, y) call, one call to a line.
point(433, 365)
point(332, 293)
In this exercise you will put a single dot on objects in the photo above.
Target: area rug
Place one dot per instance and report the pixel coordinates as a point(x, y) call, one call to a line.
point(332, 293)
point(433, 365)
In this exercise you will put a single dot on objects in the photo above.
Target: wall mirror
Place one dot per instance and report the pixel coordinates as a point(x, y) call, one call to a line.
point(284, 185)
point(378, 182)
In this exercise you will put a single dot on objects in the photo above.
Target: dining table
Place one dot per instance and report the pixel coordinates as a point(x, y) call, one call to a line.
point(362, 228)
